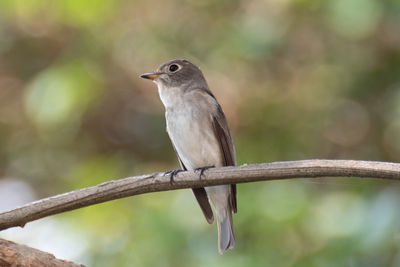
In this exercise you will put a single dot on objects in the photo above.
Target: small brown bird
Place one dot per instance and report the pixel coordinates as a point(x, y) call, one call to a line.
point(200, 136)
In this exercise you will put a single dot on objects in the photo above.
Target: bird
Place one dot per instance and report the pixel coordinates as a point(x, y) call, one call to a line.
point(199, 132)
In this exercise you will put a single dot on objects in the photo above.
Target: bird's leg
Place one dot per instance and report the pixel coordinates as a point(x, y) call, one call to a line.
point(203, 169)
point(172, 174)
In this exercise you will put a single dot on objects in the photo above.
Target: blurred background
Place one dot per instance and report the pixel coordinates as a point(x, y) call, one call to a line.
point(297, 79)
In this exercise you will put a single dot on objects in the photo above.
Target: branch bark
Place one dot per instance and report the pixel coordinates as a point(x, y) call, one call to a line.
point(155, 182)
point(12, 254)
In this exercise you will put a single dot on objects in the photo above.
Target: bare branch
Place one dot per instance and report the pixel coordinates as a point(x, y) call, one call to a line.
point(12, 254)
point(136, 185)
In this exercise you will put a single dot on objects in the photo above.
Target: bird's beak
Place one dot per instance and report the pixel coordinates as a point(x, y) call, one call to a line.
point(151, 76)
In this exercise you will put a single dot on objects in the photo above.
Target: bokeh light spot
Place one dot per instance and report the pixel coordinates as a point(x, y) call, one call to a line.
point(354, 19)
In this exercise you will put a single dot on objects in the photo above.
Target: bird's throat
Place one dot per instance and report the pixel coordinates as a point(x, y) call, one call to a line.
point(170, 96)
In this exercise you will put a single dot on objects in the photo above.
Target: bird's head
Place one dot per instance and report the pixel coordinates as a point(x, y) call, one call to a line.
point(176, 73)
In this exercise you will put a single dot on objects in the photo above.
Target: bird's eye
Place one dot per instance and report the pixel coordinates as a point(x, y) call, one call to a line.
point(173, 68)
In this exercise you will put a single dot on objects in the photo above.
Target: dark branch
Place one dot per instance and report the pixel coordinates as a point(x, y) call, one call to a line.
point(131, 186)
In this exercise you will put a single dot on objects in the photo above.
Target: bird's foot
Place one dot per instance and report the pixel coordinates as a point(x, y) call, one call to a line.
point(172, 174)
point(203, 169)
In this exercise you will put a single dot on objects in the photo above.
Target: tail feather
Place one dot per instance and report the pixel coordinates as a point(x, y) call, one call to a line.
point(221, 198)
point(226, 236)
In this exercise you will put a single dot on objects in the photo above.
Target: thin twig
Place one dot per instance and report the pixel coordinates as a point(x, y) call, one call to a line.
point(155, 182)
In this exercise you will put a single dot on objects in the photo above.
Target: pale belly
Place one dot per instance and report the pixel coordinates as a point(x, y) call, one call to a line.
point(194, 140)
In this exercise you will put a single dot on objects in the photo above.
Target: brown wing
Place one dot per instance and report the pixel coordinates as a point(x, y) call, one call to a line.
point(201, 196)
point(225, 140)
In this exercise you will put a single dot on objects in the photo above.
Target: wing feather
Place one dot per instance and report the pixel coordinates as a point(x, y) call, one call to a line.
point(225, 140)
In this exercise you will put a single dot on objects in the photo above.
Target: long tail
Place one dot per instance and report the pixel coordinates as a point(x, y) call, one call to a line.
point(226, 236)
point(221, 198)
